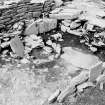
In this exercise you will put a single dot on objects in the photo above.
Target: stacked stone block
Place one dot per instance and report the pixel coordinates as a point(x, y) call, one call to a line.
point(21, 11)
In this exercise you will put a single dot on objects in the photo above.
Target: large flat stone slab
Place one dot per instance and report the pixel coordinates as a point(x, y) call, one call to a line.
point(78, 58)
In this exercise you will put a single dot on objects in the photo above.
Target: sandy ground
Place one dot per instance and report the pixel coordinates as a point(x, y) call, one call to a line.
point(25, 86)
point(22, 84)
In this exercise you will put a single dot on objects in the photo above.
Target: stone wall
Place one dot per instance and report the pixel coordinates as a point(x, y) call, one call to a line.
point(22, 10)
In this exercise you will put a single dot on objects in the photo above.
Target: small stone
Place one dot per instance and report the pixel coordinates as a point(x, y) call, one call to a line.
point(101, 86)
point(18, 26)
point(6, 39)
point(33, 41)
point(82, 41)
point(74, 32)
point(54, 45)
point(66, 23)
point(51, 57)
point(100, 78)
point(18, 65)
point(58, 49)
point(57, 36)
point(7, 60)
point(49, 42)
point(24, 61)
point(27, 50)
point(5, 52)
point(56, 67)
point(86, 43)
point(93, 49)
point(13, 55)
point(89, 27)
point(58, 3)
point(96, 35)
point(3, 57)
point(63, 28)
point(47, 49)
point(28, 39)
point(15, 26)
point(100, 43)
point(74, 25)
point(5, 44)
point(34, 37)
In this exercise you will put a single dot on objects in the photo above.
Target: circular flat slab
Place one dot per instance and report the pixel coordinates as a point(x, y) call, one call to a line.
point(79, 58)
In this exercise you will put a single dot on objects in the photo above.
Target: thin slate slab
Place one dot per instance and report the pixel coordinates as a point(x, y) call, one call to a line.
point(68, 91)
point(54, 96)
point(66, 14)
point(17, 46)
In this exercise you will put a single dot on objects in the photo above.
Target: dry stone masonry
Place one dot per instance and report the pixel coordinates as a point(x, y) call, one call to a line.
point(22, 10)
point(33, 32)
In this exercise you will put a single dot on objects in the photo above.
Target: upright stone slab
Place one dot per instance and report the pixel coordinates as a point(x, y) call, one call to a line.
point(32, 29)
point(17, 46)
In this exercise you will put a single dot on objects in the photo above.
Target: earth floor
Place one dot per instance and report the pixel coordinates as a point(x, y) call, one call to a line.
point(26, 85)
